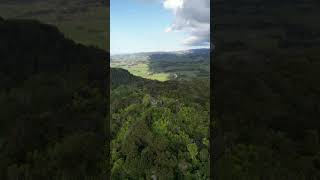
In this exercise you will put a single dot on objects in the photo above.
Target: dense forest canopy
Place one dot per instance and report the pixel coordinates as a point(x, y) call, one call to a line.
point(159, 129)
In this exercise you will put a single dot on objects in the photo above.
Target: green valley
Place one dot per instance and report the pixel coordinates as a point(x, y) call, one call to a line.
point(162, 66)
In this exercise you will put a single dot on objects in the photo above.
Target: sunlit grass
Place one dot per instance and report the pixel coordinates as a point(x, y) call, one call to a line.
point(142, 70)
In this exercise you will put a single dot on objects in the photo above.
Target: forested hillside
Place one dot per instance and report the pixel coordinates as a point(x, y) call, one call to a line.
point(53, 100)
point(266, 90)
point(53, 103)
point(159, 130)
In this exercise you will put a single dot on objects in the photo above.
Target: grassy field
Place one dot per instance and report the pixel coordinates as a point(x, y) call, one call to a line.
point(86, 23)
point(142, 69)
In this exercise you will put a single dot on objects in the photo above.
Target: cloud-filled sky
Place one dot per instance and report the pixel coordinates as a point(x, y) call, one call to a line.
point(193, 17)
point(159, 25)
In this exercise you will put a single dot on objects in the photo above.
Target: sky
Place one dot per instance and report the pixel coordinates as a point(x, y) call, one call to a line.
point(158, 25)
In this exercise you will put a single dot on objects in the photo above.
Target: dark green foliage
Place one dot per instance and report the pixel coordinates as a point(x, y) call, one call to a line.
point(53, 104)
point(159, 129)
point(121, 76)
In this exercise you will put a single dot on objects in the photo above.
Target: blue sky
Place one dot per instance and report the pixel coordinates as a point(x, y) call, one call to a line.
point(139, 26)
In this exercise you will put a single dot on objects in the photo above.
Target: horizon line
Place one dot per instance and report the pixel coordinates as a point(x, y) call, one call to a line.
point(160, 51)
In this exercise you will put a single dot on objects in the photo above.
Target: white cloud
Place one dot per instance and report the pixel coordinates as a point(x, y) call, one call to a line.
point(173, 4)
point(192, 17)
